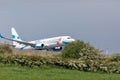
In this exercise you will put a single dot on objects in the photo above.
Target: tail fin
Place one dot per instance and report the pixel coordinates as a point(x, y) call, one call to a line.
point(15, 36)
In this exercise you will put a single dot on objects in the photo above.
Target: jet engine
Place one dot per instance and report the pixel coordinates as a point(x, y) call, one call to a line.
point(39, 46)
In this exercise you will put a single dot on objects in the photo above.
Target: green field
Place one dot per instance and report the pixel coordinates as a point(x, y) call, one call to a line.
point(12, 72)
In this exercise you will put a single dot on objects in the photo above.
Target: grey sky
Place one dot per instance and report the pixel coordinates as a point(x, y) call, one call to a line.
point(94, 21)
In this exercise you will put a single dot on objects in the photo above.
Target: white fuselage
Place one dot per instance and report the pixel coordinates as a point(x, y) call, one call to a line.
point(49, 43)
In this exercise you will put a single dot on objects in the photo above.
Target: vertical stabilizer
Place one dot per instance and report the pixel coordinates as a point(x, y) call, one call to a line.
point(15, 36)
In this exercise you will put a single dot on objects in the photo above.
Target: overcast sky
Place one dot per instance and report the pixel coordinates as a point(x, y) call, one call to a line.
point(94, 21)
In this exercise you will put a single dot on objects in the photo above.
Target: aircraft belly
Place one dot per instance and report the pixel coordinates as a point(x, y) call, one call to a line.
point(53, 46)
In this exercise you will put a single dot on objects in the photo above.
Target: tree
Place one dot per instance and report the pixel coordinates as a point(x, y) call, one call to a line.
point(80, 49)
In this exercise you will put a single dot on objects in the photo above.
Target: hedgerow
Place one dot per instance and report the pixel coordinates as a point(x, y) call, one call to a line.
point(82, 65)
point(87, 62)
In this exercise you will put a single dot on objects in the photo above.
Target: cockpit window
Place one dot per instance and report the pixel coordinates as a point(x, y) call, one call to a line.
point(69, 38)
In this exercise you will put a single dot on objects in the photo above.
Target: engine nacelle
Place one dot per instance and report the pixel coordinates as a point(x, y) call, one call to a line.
point(57, 49)
point(39, 46)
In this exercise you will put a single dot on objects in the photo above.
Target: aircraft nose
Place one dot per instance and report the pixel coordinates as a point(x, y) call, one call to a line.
point(72, 40)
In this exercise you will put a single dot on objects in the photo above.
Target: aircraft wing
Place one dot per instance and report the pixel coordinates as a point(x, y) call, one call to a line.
point(21, 42)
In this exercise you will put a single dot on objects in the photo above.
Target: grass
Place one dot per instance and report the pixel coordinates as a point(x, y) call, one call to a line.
point(12, 72)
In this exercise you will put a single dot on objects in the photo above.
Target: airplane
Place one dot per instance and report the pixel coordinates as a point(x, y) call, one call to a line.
point(54, 43)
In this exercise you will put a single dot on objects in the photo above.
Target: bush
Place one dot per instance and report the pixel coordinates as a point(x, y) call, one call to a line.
point(115, 57)
point(82, 65)
point(5, 48)
point(80, 49)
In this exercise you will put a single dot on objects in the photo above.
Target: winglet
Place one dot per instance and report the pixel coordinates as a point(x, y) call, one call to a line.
point(1, 36)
